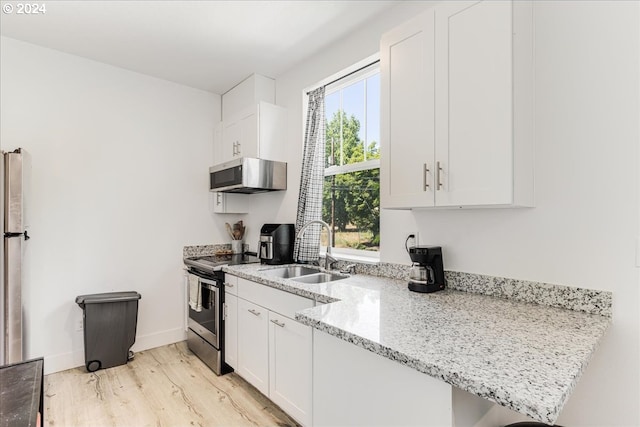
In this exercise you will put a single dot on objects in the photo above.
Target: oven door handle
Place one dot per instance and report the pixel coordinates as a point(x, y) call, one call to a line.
point(209, 287)
point(211, 283)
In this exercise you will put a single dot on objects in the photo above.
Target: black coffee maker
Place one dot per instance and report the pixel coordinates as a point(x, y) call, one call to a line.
point(276, 243)
point(427, 271)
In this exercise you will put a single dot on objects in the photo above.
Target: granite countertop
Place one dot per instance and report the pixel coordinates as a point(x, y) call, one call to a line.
point(524, 356)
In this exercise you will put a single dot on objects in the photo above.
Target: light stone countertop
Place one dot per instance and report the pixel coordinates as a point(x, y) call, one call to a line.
point(523, 356)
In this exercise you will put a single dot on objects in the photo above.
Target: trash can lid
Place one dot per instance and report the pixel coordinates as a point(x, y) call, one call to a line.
point(107, 297)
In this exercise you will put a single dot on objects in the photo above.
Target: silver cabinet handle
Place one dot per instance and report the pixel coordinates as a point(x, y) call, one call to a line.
point(275, 322)
point(229, 285)
point(235, 148)
point(218, 199)
point(239, 152)
point(424, 178)
point(438, 180)
point(255, 313)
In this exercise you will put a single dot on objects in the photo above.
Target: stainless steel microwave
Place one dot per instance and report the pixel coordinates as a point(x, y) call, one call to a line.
point(248, 175)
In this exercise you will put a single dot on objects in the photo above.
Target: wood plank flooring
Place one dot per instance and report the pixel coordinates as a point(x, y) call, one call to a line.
point(164, 386)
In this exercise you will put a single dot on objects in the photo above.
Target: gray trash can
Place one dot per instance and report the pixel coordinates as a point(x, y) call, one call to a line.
point(110, 322)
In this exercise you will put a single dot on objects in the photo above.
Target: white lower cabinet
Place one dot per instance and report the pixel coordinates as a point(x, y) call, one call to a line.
point(231, 330)
point(253, 344)
point(355, 387)
point(231, 321)
point(274, 351)
point(290, 355)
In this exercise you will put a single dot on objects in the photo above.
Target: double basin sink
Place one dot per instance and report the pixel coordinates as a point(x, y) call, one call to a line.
point(302, 274)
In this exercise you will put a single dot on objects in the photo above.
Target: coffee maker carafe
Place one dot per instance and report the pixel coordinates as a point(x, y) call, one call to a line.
point(427, 272)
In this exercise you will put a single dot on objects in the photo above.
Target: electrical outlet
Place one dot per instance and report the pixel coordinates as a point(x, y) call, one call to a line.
point(79, 325)
point(411, 239)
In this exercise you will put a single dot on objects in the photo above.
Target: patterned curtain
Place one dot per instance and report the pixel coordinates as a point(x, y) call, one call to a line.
point(311, 180)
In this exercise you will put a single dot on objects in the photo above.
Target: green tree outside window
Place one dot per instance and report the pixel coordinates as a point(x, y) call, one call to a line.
point(351, 201)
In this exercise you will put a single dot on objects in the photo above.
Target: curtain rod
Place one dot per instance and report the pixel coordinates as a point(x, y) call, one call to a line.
point(347, 75)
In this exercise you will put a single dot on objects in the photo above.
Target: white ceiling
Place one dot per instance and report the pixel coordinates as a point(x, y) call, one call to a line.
point(210, 45)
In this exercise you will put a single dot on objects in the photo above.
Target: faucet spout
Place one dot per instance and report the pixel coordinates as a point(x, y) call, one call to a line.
point(328, 258)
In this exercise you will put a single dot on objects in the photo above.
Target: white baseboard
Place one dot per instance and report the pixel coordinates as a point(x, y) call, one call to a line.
point(74, 359)
point(62, 362)
point(159, 339)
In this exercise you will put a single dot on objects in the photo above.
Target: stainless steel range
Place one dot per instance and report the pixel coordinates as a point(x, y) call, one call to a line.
point(205, 333)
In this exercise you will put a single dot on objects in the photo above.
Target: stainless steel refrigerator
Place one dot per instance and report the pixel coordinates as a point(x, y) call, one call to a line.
point(15, 174)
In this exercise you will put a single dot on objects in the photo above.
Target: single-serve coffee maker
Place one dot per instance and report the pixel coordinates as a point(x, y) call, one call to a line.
point(427, 272)
point(276, 243)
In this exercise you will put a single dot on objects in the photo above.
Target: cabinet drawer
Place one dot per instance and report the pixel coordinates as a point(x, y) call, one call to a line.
point(231, 284)
point(273, 299)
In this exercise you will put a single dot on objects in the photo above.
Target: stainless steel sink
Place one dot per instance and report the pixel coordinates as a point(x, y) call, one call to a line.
point(319, 278)
point(289, 272)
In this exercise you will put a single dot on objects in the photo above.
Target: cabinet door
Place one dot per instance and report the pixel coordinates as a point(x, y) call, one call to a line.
point(253, 345)
point(248, 144)
point(356, 387)
point(217, 200)
point(230, 141)
point(407, 114)
point(272, 131)
point(231, 330)
point(228, 203)
point(290, 352)
point(474, 132)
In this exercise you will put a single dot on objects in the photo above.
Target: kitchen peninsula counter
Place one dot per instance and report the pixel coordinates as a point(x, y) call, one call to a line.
point(524, 356)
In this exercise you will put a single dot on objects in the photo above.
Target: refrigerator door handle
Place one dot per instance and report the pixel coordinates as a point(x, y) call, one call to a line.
point(25, 234)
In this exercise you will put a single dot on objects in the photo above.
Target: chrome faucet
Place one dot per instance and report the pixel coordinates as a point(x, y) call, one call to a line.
point(348, 269)
point(328, 259)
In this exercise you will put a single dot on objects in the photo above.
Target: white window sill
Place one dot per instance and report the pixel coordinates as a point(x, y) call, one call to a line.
point(373, 259)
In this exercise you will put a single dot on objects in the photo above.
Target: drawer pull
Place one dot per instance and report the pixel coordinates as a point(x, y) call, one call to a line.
point(254, 312)
point(275, 322)
point(438, 178)
point(229, 285)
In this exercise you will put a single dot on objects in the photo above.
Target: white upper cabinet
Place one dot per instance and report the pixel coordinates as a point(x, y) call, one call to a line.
point(258, 131)
point(250, 91)
point(408, 114)
point(457, 115)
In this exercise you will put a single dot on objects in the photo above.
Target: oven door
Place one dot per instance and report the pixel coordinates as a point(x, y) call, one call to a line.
point(206, 323)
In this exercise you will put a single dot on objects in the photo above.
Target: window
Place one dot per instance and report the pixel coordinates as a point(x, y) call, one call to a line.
point(351, 193)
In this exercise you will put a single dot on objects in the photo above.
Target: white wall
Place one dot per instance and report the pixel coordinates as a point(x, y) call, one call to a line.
point(119, 186)
point(582, 231)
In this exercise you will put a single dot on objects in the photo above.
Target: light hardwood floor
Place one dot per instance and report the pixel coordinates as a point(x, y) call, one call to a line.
point(164, 386)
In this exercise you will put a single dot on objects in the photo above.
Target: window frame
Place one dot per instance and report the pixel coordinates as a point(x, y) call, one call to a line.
point(347, 253)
